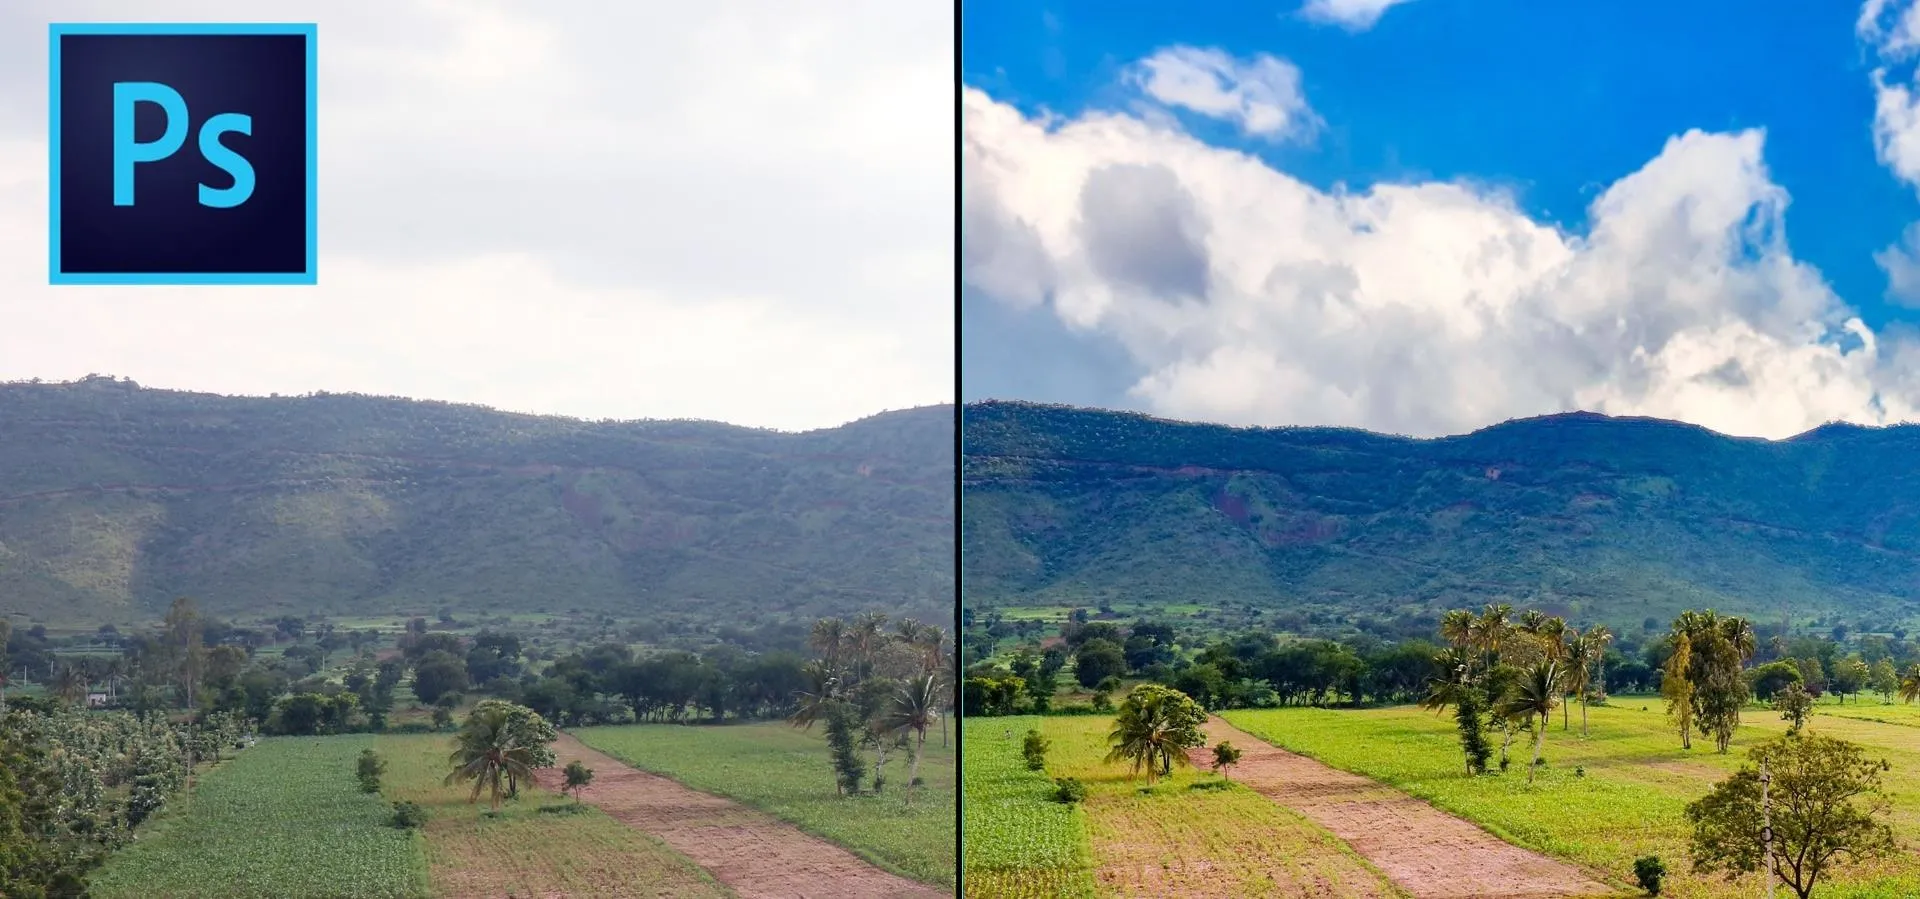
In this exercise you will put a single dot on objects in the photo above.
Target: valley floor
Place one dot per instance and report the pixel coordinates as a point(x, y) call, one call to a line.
point(286, 819)
point(1375, 802)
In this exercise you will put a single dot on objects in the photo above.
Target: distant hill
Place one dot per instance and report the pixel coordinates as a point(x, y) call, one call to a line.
point(1603, 519)
point(114, 499)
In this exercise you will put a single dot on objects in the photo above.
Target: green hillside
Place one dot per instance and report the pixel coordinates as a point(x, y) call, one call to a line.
point(1596, 518)
point(114, 499)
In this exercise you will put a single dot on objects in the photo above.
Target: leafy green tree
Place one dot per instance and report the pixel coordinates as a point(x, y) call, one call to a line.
point(1910, 683)
point(1225, 756)
point(1034, 748)
point(1849, 677)
point(1828, 806)
point(1769, 679)
point(578, 776)
point(1883, 679)
point(1096, 660)
point(437, 674)
point(1794, 704)
point(1154, 728)
point(369, 769)
point(499, 746)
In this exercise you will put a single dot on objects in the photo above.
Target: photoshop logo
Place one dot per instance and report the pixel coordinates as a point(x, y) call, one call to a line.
point(182, 154)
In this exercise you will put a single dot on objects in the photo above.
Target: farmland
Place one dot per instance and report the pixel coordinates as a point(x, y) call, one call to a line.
point(1602, 801)
point(283, 819)
point(1019, 844)
point(784, 772)
point(538, 845)
point(1190, 834)
point(1599, 803)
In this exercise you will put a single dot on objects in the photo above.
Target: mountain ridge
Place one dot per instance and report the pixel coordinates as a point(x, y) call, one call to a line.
point(1614, 519)
point(114, 498)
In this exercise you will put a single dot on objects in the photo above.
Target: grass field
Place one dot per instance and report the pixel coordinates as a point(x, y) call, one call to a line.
point(1191, 834)
point(1019, 844)
point(785, 772)
point(1605, 800)
point(283, 820)
point(525, 851)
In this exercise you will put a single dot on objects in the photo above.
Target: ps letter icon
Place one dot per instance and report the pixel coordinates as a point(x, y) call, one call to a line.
point(182, 154)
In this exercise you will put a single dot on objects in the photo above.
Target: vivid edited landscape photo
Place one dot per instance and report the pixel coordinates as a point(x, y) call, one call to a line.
point(1424, 449)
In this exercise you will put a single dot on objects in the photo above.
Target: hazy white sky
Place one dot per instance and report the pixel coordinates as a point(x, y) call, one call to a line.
point(739, 210)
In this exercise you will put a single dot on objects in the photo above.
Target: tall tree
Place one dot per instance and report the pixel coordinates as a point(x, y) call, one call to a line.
point(1534, 697)
point(1678, 690)
point(911, 713)
point(498, 747)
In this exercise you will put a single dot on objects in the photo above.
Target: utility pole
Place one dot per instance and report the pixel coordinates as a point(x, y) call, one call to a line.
point(1766, 825)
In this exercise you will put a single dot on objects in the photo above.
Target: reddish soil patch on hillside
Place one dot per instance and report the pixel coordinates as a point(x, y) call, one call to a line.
point(1427, 852)
point(756, 855)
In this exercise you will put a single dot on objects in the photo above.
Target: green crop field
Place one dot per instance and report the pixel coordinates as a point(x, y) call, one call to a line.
point(784, 771)
point(1019, 843)
point(1188, 834)
point(1604, 800)
point(529, 849)
point(283, 820)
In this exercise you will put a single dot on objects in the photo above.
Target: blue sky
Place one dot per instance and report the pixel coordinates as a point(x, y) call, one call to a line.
point(1548, 104)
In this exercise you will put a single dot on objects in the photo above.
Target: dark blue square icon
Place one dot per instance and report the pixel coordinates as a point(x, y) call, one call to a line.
point(182, 154)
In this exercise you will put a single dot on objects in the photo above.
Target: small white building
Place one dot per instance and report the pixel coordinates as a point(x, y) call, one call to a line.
point(96, 700)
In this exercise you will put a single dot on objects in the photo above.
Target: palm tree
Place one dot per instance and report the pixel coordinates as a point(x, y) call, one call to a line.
point(488, 753)
point(912, 711)
point(1534, 696)
point(1910, 683)
point(1586, 652)
point(70, 683)
point(823, 688)
point(865, 637)
point(828, 637)
point(1154, 727)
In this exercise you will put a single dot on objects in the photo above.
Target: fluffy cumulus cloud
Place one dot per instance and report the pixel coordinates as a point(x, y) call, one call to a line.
point(1243, 295)
point(738, 210)
point(1353, 15)
point(1260, 94)
point(1890, 29)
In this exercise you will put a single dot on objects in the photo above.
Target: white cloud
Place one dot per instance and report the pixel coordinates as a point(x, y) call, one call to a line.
point(1261, 95)
point(1891, 28)
point(1353, 15)
point(1425, 308)
point(739, 210)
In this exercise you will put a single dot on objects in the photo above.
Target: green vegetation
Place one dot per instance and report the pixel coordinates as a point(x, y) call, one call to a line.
point(1816, 800)
point(1020, 842)
point(523, 849)
point(782, 770)
point(283, 819)
point(120, 499)
point(1191, 832)
point(1332, 532)
point(1630, 802)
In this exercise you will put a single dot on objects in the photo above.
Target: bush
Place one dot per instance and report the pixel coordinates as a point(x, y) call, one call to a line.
point(1648, 870)
point(369, 769)
point(1035, 750)
point(564, 808)
point(1069, 790)
point(408, 815)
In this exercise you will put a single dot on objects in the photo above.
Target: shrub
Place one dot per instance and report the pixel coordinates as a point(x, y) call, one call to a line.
point(408, 815)
point(369, 768)
point(1035, 750)
point(1069, 790)
point(1648, 870)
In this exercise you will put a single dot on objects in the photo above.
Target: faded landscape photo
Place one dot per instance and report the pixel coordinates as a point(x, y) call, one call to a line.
point(1402, 458)
point(586, 532)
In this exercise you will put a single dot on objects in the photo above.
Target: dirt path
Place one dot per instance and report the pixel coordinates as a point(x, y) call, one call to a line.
point(754, 854)
point(1427, 852)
